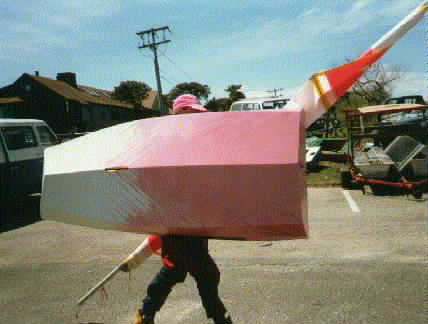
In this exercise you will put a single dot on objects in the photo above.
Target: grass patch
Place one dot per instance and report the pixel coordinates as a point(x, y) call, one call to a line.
point(324, 175)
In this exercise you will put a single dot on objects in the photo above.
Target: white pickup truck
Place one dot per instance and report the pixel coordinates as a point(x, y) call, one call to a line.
point(22, 142)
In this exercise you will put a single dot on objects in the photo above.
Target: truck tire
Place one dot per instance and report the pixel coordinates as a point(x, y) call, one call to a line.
point(346, 179)
point(417, 192)
point(379, 189)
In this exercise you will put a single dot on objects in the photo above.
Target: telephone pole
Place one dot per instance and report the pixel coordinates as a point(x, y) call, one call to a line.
point(151, 40)
point(275, 90)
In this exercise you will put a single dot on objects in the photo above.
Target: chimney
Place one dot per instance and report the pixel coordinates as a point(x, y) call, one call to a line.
point(67, 77)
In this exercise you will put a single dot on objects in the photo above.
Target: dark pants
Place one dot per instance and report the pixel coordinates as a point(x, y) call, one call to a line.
point(201, 267)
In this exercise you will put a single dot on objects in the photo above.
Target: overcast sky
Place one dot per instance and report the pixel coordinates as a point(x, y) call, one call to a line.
point(261, 44)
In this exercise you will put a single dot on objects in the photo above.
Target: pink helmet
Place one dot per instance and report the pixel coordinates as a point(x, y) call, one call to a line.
point(187, 102)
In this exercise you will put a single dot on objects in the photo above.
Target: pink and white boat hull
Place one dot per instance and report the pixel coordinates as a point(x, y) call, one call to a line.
point(225, 175)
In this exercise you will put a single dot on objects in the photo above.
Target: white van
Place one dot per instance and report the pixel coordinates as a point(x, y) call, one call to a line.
point(22, 142)
point(255, 104)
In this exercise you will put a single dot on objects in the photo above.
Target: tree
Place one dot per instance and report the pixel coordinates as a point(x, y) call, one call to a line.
point(373, 88)
point(376, 85)
point(197, 89)
point(132, 92)
point(234, 93)
point(221, 104)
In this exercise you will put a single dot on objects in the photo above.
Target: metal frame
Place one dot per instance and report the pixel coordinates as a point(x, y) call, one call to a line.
point(363, 131)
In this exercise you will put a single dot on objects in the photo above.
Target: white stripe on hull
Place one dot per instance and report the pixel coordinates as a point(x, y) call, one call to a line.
point(97, 196)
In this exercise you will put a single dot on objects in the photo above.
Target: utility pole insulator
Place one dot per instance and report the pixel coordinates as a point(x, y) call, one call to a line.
point(151, 40)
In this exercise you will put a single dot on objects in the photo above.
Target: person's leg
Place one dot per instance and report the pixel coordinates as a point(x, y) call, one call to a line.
point(159, 289)
point(207, 277)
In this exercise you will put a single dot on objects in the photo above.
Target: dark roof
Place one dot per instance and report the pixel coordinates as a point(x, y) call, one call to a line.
point(83, 96)
point(149, 102)
point(95, 91)
point(10, 100)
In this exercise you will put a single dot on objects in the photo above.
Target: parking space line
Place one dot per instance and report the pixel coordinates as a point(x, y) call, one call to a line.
point(352, 204)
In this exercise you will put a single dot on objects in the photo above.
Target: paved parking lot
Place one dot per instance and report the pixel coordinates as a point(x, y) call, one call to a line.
point(365, 262)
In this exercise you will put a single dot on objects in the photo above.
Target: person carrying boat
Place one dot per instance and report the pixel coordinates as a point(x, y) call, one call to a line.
point(182, 255)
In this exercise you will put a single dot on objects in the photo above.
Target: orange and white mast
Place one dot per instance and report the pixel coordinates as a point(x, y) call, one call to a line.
point(323, 89)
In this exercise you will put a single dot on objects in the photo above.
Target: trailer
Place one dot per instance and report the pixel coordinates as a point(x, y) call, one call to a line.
point(387, 148)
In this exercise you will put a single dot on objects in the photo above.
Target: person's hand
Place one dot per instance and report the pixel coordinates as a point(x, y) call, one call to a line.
point(124, 267)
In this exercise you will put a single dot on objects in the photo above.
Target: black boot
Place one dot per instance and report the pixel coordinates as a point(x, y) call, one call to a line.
point(225, 319)
point(140, 318)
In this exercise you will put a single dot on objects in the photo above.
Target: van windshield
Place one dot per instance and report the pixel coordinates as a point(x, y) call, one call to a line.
point(236, 107)
point(270, 104)
point(46, 136)
point(274, 104)
point(245, 107)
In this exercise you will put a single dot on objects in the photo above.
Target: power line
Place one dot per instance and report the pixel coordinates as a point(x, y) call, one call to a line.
point(165, 79)
point(172, 78)
point(147, 55)
point(170, 82)
point(178, 68)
